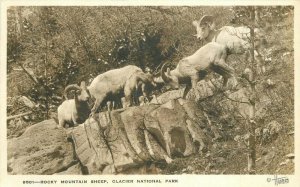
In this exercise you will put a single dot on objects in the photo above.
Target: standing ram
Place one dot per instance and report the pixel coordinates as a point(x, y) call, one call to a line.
point(74, 111)
point(191, 69)
point(115, 83)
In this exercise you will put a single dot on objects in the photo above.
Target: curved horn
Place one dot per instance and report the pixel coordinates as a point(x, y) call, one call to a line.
point(206, 19)
point(163, 74)
point(70, 87)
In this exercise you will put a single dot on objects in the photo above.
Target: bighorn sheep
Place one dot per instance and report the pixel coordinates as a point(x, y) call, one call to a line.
point(112, 83)
point(74, 111)
point(236, 39)
point(191, 69)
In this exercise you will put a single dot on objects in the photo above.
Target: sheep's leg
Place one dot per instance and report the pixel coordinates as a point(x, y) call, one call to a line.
point(225, 67)
point(224, 70)
point(109, 105)
point(128, 91)
point(186, 90)
point(96, 106)
point(123, 102)
point(128, 100)
point(194, 80)
point(145, 93)
point(135, 100)
point(116, 103)
point(141, 100)
point(61, 123)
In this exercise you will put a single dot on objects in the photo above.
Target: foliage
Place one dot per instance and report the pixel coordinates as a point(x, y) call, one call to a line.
point(62, 45)
point(58, 46)
point(65, 45)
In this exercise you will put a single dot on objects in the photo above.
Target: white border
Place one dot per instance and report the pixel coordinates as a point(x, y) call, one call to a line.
point(187, 180)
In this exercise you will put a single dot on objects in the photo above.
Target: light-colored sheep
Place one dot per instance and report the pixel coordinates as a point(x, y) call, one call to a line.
point(190, 70)
point(74, 111)
point(115, 83)
point(236, 39)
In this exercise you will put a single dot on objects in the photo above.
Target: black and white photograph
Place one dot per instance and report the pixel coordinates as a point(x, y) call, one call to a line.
point(148, 93)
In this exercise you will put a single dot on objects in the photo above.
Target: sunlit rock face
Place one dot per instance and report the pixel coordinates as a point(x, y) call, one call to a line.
point(120, 141)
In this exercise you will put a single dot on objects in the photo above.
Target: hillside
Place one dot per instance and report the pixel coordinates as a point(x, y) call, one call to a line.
point(65, 45)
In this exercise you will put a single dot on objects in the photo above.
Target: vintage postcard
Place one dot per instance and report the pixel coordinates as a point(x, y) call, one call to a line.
point(122, 93)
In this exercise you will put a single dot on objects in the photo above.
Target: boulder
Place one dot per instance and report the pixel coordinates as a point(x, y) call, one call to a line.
point(203, 90)
point(27, 102)
point(41, 149)
point(167, 96)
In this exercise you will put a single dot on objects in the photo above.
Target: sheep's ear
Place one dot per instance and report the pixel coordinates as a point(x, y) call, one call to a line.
point(195, 23)
point(82, 84)
point(168, 71)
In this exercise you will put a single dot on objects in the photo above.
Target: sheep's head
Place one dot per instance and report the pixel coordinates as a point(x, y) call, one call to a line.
point(169, 79)
point(80, 91)
point(204, 27)
point(150, 78)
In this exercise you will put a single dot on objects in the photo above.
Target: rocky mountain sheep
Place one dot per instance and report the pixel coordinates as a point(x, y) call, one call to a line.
point(236, 39)
point(116, 82)
point(74, 111)
point(191, 69)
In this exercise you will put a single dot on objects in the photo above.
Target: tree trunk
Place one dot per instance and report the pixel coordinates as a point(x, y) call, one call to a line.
point(250, 121)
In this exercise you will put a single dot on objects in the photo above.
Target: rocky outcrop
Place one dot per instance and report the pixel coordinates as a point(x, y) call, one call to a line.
point(203, 90)
point(113, 142)
point(121, 140)
point(127, 140)
point(41, 149)
point(236, 100)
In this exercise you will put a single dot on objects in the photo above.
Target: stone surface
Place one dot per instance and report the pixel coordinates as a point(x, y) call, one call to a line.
point(41, 149)
point(123, 141)
point(73, 170)
point(167, 96)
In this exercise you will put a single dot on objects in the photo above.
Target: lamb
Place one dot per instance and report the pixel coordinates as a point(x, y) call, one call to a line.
point(191, 69)
point(74, 111)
